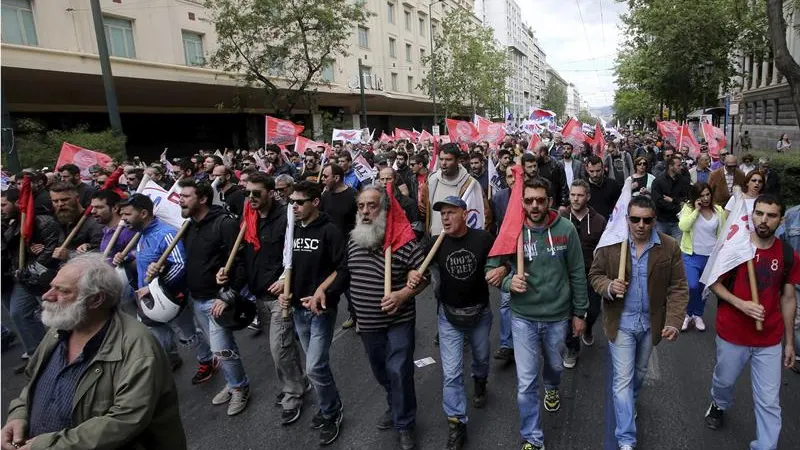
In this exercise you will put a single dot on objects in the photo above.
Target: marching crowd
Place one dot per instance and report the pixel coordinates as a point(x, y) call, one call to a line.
point(286, 241)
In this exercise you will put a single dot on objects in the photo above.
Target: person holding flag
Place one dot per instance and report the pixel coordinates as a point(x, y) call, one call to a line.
point(753, 274)
point(635, 299)
point(85, 234)
point(384, 304)
point(318, 278)
point(548, 288)
point(450, 179)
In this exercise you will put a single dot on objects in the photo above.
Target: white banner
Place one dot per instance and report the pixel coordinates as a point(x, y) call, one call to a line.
point(288, 239)
point(351, 136)
point(473, 197)
point(362, 168)
point(733, 245)
point(617, 228)
point(166, 204)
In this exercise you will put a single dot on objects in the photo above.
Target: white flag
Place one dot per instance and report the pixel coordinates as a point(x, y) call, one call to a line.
point(351, 136)
point(166, 204)
point(362, 168)
point(733, 245)
point(473, 197)
point(288, 240)
point(495, 180)
point(217, 200)
point(617, 228)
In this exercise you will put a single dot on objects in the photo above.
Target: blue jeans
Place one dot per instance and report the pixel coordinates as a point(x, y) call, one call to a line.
point(451, 346)
point(316, 333)
point(223, 345)
point(532, 341)
point(25, 314)
point(391, 356)
point(184, 328)
point(630, 353)
point(506, 341)
point(765, 374)
point(694, 265)
point(670, 228)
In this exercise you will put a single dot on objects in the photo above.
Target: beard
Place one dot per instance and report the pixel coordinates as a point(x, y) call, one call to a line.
point(765, 232)
point(67, 216)
point(369, 235)
point(65, 318)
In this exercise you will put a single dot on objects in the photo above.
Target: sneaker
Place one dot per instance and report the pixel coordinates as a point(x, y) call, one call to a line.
point(408, 439)
point(686, 321)
point(552, 401)
point(479, 395)
point(528, 446)
point(714, 416)
point(255, 325)
point(239, 399)
point(329, 430)
point(504, 353)
point(385, 422)
point(699, 324)
point(570, 358)
point(205, 371)
point(456, 434)
point(318, 420)
point(588, 338)
point(289, 416)
point(25, 356)
point(627, 447)
point(796, 367)
point(349, 323)
point(222, 397)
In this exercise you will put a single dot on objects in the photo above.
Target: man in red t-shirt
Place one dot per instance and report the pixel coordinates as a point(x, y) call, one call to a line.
point(738, 341)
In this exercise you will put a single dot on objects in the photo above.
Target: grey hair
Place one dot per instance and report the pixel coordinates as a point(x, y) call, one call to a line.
point(380, 190)
point(97, 277)
point(286, 178)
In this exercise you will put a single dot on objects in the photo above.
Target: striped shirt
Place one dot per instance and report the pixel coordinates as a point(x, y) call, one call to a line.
point(366, 284)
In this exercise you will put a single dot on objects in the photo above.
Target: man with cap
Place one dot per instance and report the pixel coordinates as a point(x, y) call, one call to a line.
point(464, 311)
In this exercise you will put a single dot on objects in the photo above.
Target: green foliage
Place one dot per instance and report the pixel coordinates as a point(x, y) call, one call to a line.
point(555, 97)
point(469, 65)
point(634, 104)
point(39, 147)
point(787, 165)
point(283, 46)
point(586, 117)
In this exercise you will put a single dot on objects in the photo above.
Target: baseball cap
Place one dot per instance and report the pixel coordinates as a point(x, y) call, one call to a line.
point(451, 200)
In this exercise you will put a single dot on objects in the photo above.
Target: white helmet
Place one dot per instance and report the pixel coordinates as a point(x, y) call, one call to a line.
point(159, 305)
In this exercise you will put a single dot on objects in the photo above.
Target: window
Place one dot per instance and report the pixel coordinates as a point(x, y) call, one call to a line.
point(422, 26)
point(434, 29)
point(193, 48)
point(17, 23)
point(363, 37)
point(390, 12)
point(394, 82)
point(408, 19)
point(327, 72)
point(119, 35)
point(410, 84)
point(392, 48)
point(422, 54)
point(408, 52)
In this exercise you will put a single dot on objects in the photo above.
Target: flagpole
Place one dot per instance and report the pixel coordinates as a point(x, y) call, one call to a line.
point(170, 248)
point(235, 248)
point(751, 274)
point(22, 247)
point(623, 261)
point(387, 270)
point(114, 238)
point(74, 231)
point(520, 255)
point(287, 291)
point(431, 254)
point(134, 240)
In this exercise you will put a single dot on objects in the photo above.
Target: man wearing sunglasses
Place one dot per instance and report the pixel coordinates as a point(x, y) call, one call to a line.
point(640, 310)
point(310, 170)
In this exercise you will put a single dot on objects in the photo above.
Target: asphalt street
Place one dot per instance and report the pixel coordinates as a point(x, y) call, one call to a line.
point(670, 407)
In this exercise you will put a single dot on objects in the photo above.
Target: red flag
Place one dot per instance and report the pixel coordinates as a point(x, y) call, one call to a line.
point(415, 134)
point(25, 205)
point(573, 133)
point(492, 132)
point(425, 136)
point(687, 139)
point(398, 229)
point(281, 132)
point(461, 132)
point(433, 164)
point(400, 133)
point(599, 142)
point(670, 130)
point(533, 143)
point(715, 138)
point(81, 157)
point(302, 144)
point(250, 219)
point(506, 242)
point(386, 138)
point(112, 182)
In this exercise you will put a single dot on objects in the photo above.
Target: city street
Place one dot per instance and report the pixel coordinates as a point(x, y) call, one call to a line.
point(671, 406)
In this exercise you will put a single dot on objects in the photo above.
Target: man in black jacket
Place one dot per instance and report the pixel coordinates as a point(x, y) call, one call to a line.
point(319, 277)
point(604, 192)
point(71, 174)
point(229, 192)
point(208, 242)
point(553, 171)
point(670, 190)
point(68, 212)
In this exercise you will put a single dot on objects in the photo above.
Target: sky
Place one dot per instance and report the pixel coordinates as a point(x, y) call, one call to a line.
point(580, 44)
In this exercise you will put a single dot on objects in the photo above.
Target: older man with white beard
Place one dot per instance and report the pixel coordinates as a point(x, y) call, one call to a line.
point(385, 322)
point(99, 379)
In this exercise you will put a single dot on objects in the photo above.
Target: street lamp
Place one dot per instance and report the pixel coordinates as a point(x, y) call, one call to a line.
point(433, 61)
point(707, 69)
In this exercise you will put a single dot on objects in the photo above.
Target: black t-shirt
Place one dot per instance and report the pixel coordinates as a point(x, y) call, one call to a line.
point(341, 208)
point(618, 164)
point(461, 262)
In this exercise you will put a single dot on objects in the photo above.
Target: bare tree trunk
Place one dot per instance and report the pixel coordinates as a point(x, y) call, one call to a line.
point(776, 27)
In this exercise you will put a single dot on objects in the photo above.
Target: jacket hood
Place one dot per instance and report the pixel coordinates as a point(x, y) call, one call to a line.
point(213, 212)
point(462, 175)
point(321, 220)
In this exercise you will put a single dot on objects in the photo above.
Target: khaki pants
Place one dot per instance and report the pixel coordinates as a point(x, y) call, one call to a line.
point(285, 350)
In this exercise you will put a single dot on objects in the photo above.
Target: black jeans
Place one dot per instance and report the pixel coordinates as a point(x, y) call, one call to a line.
point(574, 343)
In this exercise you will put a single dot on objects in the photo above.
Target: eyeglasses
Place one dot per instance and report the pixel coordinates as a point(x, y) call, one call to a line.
point(254, 194)
point(299, 201)
point(310, 161)
point(637, 219)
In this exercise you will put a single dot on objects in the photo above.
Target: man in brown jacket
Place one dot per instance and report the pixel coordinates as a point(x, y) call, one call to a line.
point(649, 304)
point(724, 179)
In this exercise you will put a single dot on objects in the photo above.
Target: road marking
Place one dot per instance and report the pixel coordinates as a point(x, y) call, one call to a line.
point(654, 370)
point(339, 333)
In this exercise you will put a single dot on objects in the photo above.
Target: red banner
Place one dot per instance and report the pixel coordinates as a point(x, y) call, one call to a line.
point(598, 143)
point(386, 138)
point(281, 132)
point(491, 132)
point(670, 130)
point(715, 138)
point(425, 136)
point(533, 143)
point(686, 139)
point(26, 206)
point(400, 133)
point(81, 157)
point(301, 144)
point(461, 132)
point(573, 133)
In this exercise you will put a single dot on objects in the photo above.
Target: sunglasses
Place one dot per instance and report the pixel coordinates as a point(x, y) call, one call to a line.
point(641, 164)
point(254, 194)
point(299, 201)
point(529, 201)
point(637, 219)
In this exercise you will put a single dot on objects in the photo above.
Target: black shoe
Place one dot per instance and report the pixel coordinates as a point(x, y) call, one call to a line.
point(290, 416)
point(329, 430)
point(505, 354)
point(318, 420)
point(479, 396)
point(714, 416)
point(408, 439)
point(205, 370)
point(796, 367)
point(456, 434)
point(385, 422)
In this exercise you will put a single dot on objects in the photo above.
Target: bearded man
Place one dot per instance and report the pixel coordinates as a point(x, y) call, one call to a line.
point(68, 212)
point(385, 322)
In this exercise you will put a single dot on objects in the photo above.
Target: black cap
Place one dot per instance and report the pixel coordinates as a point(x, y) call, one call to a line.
point(138, 201)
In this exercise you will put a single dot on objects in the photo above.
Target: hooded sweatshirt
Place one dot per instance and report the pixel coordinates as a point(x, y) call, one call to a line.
point(208, 243)
point(590, 228)
point(318, 250)
point(556, 276)
point(439, 188)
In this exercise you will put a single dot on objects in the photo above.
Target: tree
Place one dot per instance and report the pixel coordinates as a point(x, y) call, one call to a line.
point(783, 58)
point(282, 46)
point(555, 97)
point(634, 104)
point(584, 116)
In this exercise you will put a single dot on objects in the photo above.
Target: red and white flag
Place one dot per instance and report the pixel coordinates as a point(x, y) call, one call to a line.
point(302, 144)
point(506, 242)
point(598, 142)
point(351, 136)
point(491, 132)
point(670, 130)
point(461, 132)
point(715, 138)
point(81, 157)
point(386, 138)
point(733, 244)
point(433, 164)
point(533, 143)
point(400, 133)
point(425, 136)
point(398, 228)
point(573, 133)
point(281, 132)
point(686, 138)
point(362, 168)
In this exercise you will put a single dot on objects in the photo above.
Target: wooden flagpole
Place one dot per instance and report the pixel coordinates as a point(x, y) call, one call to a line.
point(751, 275)
point(171, 247)
point(114, 238)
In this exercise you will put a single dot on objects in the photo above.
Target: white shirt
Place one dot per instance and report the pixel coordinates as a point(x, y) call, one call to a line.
point(704, 235)
point(568, 171)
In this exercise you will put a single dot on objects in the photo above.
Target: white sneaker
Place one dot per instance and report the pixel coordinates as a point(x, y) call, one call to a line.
point(699, 324)
point(686, 322)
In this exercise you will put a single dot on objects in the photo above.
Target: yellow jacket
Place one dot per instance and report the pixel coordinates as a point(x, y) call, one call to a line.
point(686, 219)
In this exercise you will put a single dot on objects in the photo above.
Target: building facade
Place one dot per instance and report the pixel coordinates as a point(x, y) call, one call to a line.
point(574, 101)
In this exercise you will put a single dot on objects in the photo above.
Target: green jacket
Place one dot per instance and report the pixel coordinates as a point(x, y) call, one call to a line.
point(688, 216)
point(556, 276)
point(126, 398)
